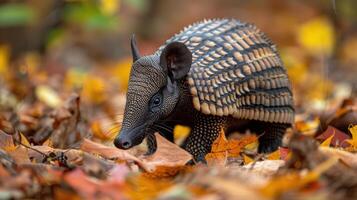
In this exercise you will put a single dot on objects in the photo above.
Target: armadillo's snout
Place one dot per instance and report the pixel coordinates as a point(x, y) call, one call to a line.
point(129, 138)
point(122, 142)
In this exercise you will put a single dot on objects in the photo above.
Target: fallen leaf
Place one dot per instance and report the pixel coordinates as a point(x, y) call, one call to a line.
point(266, 167)
point(247, 159)
point(317, 35)
point(181, 132)
point(3, 172)
point(145, 188)
point(232, 189)
point(48, 96)
point(107, 152)
point(327, 142)
point(222, 148)
point(274, 155)
point(293, 180)
point(17, 152)
point(334, 137)
point(307, 127)
point(92, 188)
point(284, 153)
point(347, 157)
point(73, 155)
point(168, 157)
point(6, 142)
point(353, 141)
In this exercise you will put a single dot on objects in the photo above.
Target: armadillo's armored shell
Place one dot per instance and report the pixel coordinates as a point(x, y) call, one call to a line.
point(236, 71)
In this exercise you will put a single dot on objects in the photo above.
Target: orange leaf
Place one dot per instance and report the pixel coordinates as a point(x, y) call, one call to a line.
point(274, 155)
point(18, 153)
point(6, 142)
point(294, 181)
point(89, 187)
point(223, 148)
point(247, 159)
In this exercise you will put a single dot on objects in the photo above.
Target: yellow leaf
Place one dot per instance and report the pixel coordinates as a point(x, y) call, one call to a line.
point(251, 146)
point(48, 96)
point(308, 127)
point(94, 88)
point(296, 64)
point(99, 129)
point(74, 78)
point(4, 60)
point(48, 142)
point(122, 71)
point(274, 155)
point(181, 132)
point(327, 142)
point(317, 36)
point(353, 141)
point(247, 159)
point(24, 140)
point(109, 7)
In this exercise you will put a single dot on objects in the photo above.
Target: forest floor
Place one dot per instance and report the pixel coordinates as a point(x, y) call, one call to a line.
point(56, 141)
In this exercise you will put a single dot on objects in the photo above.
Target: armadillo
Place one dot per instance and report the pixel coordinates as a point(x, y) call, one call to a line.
point(214, 75)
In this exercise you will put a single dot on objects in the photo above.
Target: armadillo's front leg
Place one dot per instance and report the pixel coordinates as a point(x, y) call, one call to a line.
point(205, 130)
point(165, 129)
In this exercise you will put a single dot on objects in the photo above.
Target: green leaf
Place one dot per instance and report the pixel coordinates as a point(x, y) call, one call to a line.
point(16, 14)
point(141, 5)
point(89, 16)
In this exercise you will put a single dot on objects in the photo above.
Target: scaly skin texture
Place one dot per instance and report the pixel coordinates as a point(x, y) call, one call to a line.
point(213, 75)
point(206, 128)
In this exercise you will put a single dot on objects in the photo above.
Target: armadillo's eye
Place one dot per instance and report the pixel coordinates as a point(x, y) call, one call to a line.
point(156, 100)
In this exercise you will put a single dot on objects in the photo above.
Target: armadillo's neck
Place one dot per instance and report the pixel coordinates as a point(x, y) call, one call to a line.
point(183, 112)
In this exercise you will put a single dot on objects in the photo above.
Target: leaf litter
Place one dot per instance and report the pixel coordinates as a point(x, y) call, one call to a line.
point(56, 144)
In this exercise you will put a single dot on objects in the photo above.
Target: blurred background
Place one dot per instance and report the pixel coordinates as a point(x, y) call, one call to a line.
point(50, 49)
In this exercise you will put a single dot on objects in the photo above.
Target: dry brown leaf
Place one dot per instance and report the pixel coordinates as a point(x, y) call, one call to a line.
point(108, 152)
point(18, 153)
point(266, 167)
point(74, 156)
point(167, 155)
point(346, 157)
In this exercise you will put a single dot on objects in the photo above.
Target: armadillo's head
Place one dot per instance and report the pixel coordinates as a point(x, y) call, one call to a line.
point(153, 91)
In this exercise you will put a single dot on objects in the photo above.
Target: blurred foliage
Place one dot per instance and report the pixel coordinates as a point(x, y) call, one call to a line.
point(64, 71)
point(92, 16)
point(16, 14)
point(317, 36)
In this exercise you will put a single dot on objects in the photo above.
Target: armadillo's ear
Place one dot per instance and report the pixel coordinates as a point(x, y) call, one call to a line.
point(134, 48)
point(176, 60)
